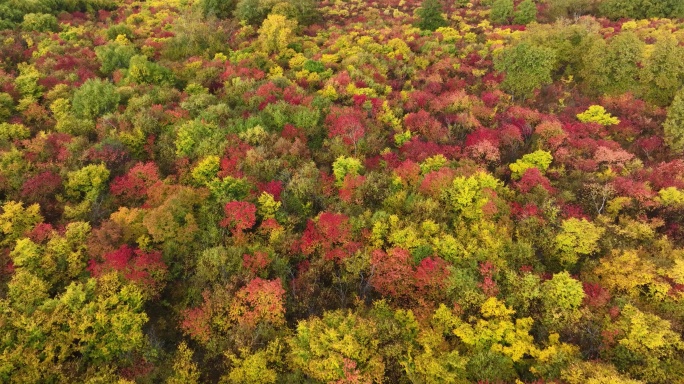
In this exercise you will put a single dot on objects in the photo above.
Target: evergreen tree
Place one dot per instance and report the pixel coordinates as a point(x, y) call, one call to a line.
point(502, 11)
point(526, 12)
point(430, 14)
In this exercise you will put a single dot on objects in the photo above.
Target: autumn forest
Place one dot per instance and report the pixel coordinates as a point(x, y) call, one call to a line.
point(342, 191)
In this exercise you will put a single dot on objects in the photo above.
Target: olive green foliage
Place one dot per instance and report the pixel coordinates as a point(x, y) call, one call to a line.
point(502, 11)
point(217, 8)
point(525, 13)
point(674, 124)
point(94, 98)
point(613, 67)
point(143, 71)
point(527, 68)
point(568, 8)
point(641, 9)
point(255, 11)
point(663, 72)
point(430, 15)
point(114, 56)
point(40, 22)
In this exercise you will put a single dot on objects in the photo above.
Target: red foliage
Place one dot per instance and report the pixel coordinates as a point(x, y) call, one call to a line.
point(432, 277)
point(259, 301)
point(437, 181)
point(133, 186)
point(349, 184)
point(595, 295)
point(347, 123)
point(409, 171)
point(426, 125)
point(392, 273)
point(257, 262)
point(532, 178)
point(144, 268)
point(240, 215)
point(488, 285)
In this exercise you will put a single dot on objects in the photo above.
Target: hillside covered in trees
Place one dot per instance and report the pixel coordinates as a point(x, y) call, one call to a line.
point(342, 191)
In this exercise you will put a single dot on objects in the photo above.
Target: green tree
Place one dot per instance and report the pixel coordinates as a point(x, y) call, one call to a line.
point(674, 124)
point(430, 15)
point(527, 68)
point(502, 11)
point(663, 72)
point(562, 297)
point(94, 98)
point(613, 68)
point(113, 56)
point(526, 12)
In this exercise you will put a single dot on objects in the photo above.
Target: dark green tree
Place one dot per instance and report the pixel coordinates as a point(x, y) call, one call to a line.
point(430, 14)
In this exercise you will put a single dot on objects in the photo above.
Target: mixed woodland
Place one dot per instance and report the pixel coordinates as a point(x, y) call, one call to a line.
point(342, 191)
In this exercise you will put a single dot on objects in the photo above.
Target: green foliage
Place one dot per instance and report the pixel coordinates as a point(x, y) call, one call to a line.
point(39, 22)
point(641, 9)
point(253, 12)
point(6, 106)
point(525, 13)
point(196, 138)
point(11, 132)
point(113, 56)
point(663, 72)
point(87, 183)
point(597, 114)
point(222, 9)
point(674, 124)
point(562, 297)
point(568, 8)
point(430, 15)
point(143, 71)
point(95, 98)
point(539, 159)
point(87, 320)
point(117, 30)
point(502, 11)
point(468, 196)
point(613, 67)
point(527, 68)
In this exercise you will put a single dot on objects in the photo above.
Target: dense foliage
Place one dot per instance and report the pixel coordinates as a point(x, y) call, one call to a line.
point(300, 191)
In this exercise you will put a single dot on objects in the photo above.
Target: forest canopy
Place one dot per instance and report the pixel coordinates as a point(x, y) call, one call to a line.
point(317, 191)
